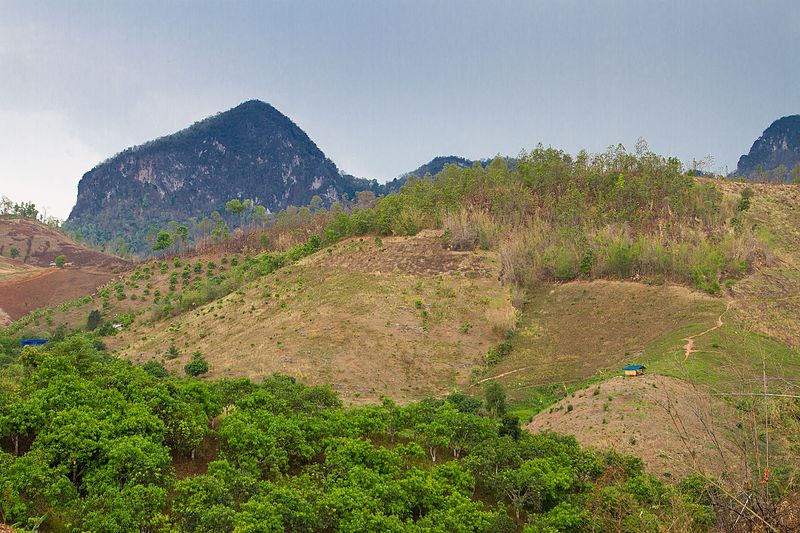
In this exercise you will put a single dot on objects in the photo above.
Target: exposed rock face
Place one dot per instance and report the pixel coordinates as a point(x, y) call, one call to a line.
point(251, 151)
point(775, 154)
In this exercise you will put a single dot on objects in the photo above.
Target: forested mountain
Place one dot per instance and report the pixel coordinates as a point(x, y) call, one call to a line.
point(775, 156)
point(251, 151)
point(437, 164)
point(432, 167)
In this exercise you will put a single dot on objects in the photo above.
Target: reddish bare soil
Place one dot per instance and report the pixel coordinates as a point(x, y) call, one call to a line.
point(39, 245)
point(49, 288)
point(29, 282)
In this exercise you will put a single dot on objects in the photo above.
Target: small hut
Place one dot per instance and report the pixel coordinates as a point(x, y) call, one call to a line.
point(634, 370)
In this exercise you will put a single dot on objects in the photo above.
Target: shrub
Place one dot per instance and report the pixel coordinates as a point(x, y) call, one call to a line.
point(197, 366)
point(744, 201)
point(155, 368)
point(93, 320)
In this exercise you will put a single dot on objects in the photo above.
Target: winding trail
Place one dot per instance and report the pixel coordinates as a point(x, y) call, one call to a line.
point(689, 347)
point(484, 380)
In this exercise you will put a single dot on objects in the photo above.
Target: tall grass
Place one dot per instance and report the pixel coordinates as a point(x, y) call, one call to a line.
point(540, 251)
point(467, 230)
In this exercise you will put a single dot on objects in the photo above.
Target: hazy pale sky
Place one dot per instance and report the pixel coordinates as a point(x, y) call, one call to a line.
point(382, 87)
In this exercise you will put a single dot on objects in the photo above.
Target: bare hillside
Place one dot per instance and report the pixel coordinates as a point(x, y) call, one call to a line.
point(675, 427)
point(29, 282)
point(39, 245)
point(401, 317)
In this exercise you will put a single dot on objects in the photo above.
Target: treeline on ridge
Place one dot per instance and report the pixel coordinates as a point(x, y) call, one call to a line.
point(554, 217)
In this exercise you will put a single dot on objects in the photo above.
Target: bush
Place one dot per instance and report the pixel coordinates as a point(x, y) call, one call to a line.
point(172, 352)
point(93, 320)
point(197, 366)
point(155, 368)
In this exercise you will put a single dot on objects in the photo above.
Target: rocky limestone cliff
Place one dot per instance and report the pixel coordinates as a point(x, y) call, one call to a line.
point(251, 151)
point(775, 155)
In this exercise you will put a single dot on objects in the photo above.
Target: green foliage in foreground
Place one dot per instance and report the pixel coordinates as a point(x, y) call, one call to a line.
point(90, 442)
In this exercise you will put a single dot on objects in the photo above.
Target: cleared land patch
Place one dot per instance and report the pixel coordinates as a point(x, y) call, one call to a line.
point(568, 332)
point(28, 282)
point(401, 317)
point(675, 427)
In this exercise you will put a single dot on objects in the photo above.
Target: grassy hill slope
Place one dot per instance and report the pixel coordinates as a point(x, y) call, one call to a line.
point(401, 317)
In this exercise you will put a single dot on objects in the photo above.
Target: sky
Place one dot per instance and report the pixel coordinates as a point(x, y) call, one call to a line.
point(383, 87)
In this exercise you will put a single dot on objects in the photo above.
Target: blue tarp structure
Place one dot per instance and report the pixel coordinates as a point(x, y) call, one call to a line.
point(634, 367)
point(32, 342)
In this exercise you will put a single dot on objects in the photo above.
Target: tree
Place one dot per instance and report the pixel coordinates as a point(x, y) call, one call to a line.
point(163, 241)
point(237, 208)
point(796, 174)
point(197, 366)
point(61, 260)
point(93, 320)
point(260, 215)
point(182, 233)
point(535, 481)
point(14, 252)
point(220, 227)
point(495, 397)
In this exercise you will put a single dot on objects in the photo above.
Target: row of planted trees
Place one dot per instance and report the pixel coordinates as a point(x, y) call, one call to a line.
point(94, 443)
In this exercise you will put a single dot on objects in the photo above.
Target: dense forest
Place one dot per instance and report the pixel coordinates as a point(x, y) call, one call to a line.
point(93, 443)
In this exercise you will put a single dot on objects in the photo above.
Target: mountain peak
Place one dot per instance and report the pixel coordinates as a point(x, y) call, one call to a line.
point(250, 151)
point(775, 153)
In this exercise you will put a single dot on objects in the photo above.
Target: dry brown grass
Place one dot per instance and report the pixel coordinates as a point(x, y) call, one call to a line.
point(468, 229)
point(677, 428)
point(568, 332)
point(405, 318)
point(769, 299)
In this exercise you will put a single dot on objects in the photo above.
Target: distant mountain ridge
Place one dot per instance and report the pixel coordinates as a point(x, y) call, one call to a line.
point(431, 168)
point(775, 155)
point(251, 151)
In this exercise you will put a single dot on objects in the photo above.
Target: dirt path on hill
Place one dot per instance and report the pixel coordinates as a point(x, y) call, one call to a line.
point(689, 347)
point(504, 374)
point(35, 276)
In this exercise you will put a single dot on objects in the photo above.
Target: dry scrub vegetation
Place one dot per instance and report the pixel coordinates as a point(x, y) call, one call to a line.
point(402, 317)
